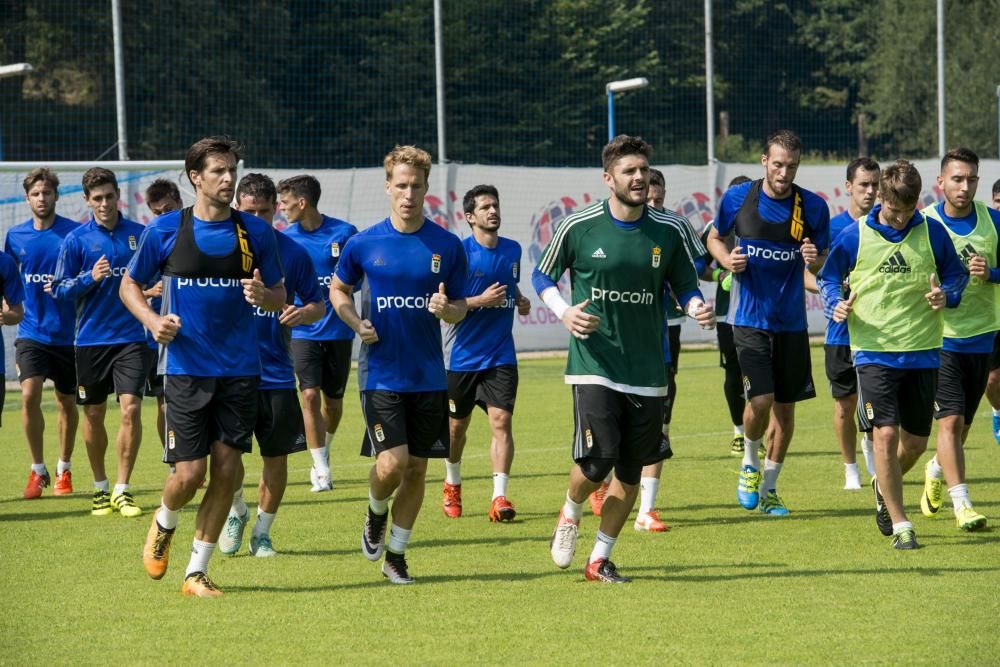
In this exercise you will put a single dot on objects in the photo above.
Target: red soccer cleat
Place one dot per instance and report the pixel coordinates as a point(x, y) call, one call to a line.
point(452, 502)
point(597, 499)
point(501, 510)
point(35, 485)
point(64, 484)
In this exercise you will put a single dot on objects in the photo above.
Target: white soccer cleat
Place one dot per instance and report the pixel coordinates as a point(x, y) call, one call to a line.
point(852, 481)
point(320, 480)
point(563, 546)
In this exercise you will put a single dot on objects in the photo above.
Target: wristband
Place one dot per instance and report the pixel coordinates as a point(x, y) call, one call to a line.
point(553, 299)
point(693, 306)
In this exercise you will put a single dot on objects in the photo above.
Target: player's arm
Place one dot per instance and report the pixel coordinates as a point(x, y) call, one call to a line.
point(838, 265)
point(71, 280)
point(492, 296)
point(576, 320)
point(13, 297)
point(142, 268)
point(12, 313)
point(978, 266)
point(682, 275)
point(301, 279)
point(342, 300)
point(809, 279)
point(952, 275)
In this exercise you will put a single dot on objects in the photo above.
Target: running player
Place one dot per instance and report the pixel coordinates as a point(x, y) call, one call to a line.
point(44, 343)
point(11, 313)
point(862, 187)
point(993, 385)
point(322, 350)
point(620, 255)
point(111, 348)
point(895, 324)
point(479, 351)
point(280, 430)
point(214, 262)
point(783, 228)
point(409, 266)
point(969, 333)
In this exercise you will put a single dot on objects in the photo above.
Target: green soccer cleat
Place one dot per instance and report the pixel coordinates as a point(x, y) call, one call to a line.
point(232, 533)
point(930, 501)
point(969, 519)
point(101, 505)
point(261, 547)
point(772, 504)
point(124, 503)
point(737, 445)
point(905, 540)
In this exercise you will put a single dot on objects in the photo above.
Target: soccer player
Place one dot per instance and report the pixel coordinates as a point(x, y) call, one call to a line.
point(110, 344)
point(893, 259)
point(993, 385)
point(321, 350)
point(862, 186)
point(620, 254)
point(44, 343)
point(280, 430)
point(11, 313)
point(217, 265)
point(163, 196)
point(783, 228)
point(409, 266)
point(479, 351)
point(969, 333)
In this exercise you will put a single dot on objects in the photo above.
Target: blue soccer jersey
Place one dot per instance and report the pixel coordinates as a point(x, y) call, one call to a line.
point(46, 320)
point(276, 370)
point(836, 332)
point(401, 272)
point(484, 339)
point(324, 245)
point(12, 291)
point(217, 336)
point(770, 293)
point(101, 317)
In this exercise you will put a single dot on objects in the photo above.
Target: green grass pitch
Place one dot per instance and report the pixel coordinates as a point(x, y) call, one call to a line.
point(724, 586)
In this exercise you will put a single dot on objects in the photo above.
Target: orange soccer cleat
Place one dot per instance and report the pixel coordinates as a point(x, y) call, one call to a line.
point(156, 550)
point(64, 484)
point(650, 521)
point(501, 510)
point(452, 502)
point(597, 498)
point(198, 585)
point(35, 484)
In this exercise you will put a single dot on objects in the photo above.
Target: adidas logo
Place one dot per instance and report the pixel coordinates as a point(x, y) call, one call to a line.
point(967, 253)
point(379, 261)
point(599, 254)
point(895, 264)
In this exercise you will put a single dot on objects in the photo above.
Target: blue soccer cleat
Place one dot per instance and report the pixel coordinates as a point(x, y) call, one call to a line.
point(748, 489)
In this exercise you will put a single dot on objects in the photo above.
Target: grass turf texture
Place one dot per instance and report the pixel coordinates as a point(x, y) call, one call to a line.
point(723, 586)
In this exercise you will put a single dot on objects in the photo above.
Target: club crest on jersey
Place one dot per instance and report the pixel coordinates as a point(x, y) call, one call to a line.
point(131, 242)
point(656, 256)
point(514, 269)
point(590, 438)
point(451, 406)
point(171, 441)
point(435, 263)
point(334, 249)
point(870, 412)
point(82, 392)
point(379, 433)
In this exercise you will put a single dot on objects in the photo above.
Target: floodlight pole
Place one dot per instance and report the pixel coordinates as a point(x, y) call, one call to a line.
point(940, 78)
point(621, 86)
point(998, 121)
point(439, 82)
point(709, 87)
point(7, 71)
point(116, 27)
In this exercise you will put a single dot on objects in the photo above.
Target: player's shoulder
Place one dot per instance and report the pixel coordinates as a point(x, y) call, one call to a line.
point(24, 227)
point(737, 193)
point(582, 221)
point(432, 231)
point(509, 245)
point(994, 214)
point(81, 229)
point(168, 222)
point(131, 226)
point(338, 224)
point(7, 263)
point(288, 246)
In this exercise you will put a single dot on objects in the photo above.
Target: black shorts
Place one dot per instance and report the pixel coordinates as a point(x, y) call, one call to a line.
point(995, 357)
point(322, 363)
point(279, 429)
point(55, 362)
point(417, 419)
point(775, 363)
point(154, 381)
point(205, 410)
point(614, 425)
point(3, 398)
point(840, 371)
point(492, 386)
point(897, 397)
point(674, 342)
point(961, 384)
point(727, 348)
point(117, 369)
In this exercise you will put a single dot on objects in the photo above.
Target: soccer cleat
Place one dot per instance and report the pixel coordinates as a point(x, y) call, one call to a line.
point(604, 570)
point(395, 570)
point(320, 480)
point(737, 446)
point(64, 484)
point(882, 518)
point(101, 505)
point(231, 538)
point(452, 500)
point(852, 481)
point(748, 488)
point(772, 504)
point(373, 535)
point(261, 547)
point(35, 484)
point(968, 518)
point(197, 584)
point(501, 510)
point(930, 501)
point(563, 544)
point(597, 498)
point(996, 427)
point(156, 550)
point(650, 522)
point(905, 540)
point(124, 503)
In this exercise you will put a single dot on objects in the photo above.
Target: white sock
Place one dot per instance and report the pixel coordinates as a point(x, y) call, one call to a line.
point(959, 496)
point(572, 510)
point(934, 470)
point(166, 517)
point(103, 486)
point(320, 460)
point(996, 412)
point(264, 521)
point(380, 507)
point(200, 553)
point(648, 486)
point(239, 505)
point(61, 467)
point(737, 430)
point(398, 539)
point(38, 468)
point(771, 471)
point(868, 449)
point(750, 456)
point(453, 472)
point(327, 441)
point(851, 471)
point(602, 547)
point(500, 480)
point(897, 528)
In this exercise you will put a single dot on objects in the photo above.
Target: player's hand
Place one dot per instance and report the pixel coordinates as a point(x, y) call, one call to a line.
point(493, 296)
point(704, 315)
point(737, 260)
point(935, 298)
point(523, 305)
point(844, 308)
point(101, 270)
point(438, 302)
point(579, 323)
point(367, 332)
point(154, 291)
point(253, 289)
point(47, 288)
point(290, 316)
point(809, 251)
point(978, 268)
point(165, 329)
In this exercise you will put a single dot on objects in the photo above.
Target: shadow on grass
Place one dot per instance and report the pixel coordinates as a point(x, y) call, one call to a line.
point(781, 571)
point(81, 511)
point(497, 540)
point(381, 582)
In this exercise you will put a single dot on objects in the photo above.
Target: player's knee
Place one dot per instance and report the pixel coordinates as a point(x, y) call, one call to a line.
point(500, 420)
point(596, 470)
point(311, 399)
point(628, 472)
